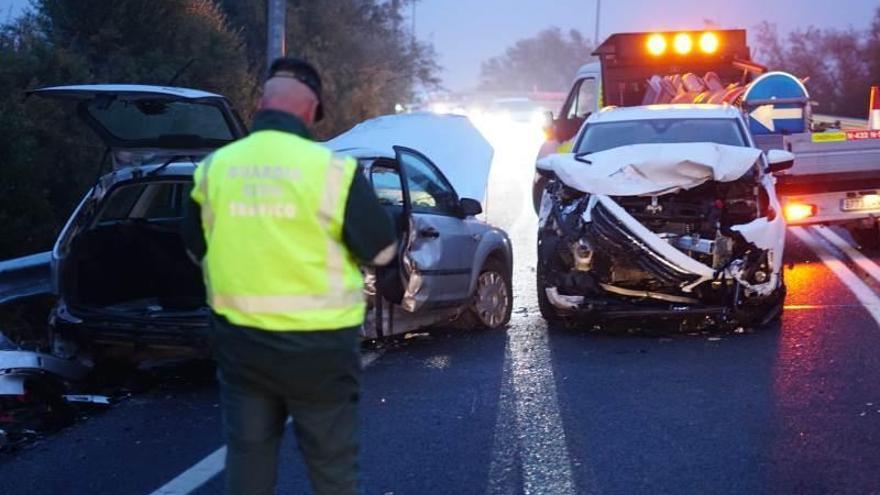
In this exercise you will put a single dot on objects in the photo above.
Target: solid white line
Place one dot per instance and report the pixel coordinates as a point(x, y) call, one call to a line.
point(209, 467)
point(370, 357)
point(196, 476)
point(861, 290)
point(848, 249)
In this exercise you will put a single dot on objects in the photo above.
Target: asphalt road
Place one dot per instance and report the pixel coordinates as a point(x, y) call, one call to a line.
point(791, 408)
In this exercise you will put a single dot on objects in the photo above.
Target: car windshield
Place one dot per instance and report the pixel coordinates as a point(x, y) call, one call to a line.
point(606, 135)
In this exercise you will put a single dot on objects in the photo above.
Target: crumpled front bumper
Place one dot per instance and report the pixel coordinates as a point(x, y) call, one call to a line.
point(609, 228)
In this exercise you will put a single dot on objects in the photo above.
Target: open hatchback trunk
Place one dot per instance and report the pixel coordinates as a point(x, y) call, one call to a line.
point(139, 123)
point(120, 266)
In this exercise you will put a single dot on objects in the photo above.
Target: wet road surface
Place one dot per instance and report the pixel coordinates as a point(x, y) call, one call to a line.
point(790, 408)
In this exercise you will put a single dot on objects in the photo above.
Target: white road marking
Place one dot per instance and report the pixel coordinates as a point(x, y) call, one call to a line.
point(370, 357)
point(209, 467)
point(848, 249)
point(861, 290)
point(528, 427)
point(195, 476)
point(543, 450)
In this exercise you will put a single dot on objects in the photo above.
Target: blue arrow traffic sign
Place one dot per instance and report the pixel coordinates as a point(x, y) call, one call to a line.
point(776, 118)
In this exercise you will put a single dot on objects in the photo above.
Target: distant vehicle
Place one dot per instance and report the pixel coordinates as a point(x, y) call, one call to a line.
point(837, 179)
point(431, 172)
point(120, 270)
point(662, 213)
point(518, 110)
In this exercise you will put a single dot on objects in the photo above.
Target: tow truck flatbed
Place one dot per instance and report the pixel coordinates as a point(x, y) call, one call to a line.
point(836, 173)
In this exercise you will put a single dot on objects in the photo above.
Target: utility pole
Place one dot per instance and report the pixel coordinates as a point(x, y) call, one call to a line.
point(413, 28)
point(596, 32)
point(276, 21)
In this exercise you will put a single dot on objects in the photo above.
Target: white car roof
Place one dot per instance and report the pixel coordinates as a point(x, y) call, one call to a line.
point(677, 111)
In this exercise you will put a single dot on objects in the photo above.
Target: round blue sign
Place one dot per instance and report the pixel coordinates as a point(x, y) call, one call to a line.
point(779, 118)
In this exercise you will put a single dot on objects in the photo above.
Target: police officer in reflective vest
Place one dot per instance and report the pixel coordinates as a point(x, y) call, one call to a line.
point(280, 226)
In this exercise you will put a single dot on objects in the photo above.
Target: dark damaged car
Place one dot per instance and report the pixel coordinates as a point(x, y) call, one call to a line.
point(662, 213)
point(120, 270)
point(126, 287)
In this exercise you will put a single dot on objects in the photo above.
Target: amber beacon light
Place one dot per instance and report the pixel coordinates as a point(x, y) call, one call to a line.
point(709, 42)
point(683, 43)
point(656, 45)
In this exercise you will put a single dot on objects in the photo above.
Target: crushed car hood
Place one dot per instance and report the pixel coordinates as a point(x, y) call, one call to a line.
point(651, 169)
point(452, 142)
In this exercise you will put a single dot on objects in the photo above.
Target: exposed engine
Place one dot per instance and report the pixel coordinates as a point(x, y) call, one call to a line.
point(590, 252)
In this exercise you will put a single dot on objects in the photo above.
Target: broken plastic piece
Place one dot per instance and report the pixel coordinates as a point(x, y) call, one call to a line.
point(88, 399)
point(11, 361)
point(12, 384)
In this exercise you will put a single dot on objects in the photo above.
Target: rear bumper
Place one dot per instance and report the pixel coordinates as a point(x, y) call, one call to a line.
point(90, 329)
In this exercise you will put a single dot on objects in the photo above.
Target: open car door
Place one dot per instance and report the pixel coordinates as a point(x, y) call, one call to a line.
point(438, 242)
point(440, 246)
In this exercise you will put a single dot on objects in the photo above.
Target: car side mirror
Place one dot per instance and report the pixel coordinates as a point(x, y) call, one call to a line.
point(779, 160)
point(470, 207)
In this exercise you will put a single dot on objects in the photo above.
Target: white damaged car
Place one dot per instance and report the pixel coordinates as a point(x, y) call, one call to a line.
point(662, 213)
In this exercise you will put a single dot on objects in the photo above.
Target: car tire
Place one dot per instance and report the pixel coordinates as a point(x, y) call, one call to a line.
point(486, 311)
point(766, 313)
point(548, 311)
point(868, 238)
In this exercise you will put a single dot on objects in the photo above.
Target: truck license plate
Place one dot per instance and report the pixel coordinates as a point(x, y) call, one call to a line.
point(867, 202)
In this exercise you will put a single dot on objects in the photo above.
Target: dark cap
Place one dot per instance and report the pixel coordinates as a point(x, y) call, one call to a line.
point(303, 72)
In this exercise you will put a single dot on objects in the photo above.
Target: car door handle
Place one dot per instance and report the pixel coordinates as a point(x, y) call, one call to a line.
point(429, 232)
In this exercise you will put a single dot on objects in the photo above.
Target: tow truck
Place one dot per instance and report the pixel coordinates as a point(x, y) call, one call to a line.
point(836, 176)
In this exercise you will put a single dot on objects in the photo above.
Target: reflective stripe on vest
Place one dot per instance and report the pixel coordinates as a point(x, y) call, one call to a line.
point(287, 304)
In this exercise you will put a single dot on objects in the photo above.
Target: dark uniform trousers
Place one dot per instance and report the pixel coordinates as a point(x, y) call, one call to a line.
point(266, 377)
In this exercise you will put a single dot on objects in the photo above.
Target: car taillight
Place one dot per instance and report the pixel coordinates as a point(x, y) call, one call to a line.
point(795, 212)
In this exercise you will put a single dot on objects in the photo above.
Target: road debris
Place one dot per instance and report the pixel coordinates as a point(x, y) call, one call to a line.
point(88, 399)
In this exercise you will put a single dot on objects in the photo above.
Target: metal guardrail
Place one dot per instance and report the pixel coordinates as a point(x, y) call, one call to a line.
point(26, 276)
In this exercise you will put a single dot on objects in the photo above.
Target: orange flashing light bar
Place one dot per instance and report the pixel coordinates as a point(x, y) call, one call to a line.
point(656, 44)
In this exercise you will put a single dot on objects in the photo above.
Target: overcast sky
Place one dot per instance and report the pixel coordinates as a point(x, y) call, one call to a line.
point(466, 32)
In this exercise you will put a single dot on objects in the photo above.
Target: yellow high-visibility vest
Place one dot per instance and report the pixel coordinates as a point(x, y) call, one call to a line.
point(273, 205)
point(566, 146)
